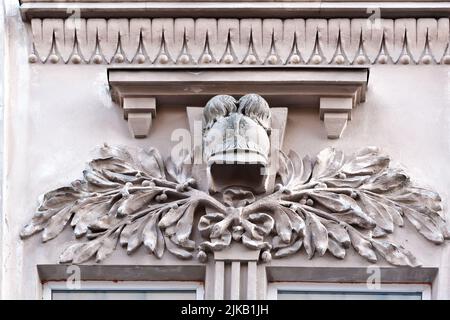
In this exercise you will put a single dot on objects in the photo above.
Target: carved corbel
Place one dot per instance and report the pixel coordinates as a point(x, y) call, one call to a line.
point(335, 112)
point(139, 112)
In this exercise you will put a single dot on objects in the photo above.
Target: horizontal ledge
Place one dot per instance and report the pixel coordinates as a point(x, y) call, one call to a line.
point(357, 274)
point(59, 272)
point(304, 75)
point(281, 87)
point(398, 9)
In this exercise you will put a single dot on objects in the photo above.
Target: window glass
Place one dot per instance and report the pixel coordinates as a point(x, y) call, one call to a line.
point(346, 295)
point(124, 290)
point(347, 291)
point(124, 294)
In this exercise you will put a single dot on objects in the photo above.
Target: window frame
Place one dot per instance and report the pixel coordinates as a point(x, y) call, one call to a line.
point(50, 286)
point(274, 287)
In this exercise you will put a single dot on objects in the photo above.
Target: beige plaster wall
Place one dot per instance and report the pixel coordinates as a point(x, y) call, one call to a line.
point(55, 115)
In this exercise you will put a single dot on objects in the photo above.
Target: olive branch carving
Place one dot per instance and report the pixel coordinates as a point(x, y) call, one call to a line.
point(329, 203)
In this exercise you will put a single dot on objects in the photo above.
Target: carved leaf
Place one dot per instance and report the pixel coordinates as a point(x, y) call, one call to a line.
point(172, 216)
point(128, 231)
point(394, 210)
point(36, 225)
point(351, 182)
point(288, 250)
point(394, 254)
point(344, 207)
point(118, 152)
point(177, 251)
point(83, 219)
point(86, 251)
point(414, 195)
point(337, 232)
point(160, 244)
point(307, 170)
point(387, 180)
point(57, 223)
point(59, 198)
point(362, 246)
point(328, 162)
point(112, 166)
point(378, 212)
point(84, 207)
point(150, 234)
point(135, 239)
point(136, 201)
point(308, 242)
point(283, 225)
point(425, 225)
point(336, 249)
point(68, 253)
point(285, 168)
point(108, 246)
point(184, 225)
point(122, 178)
point(93, 177)
point(297, 223)
point(318, 235)
point(293, 170)
point(366, 162)
point(152, 163)
point(180, 170)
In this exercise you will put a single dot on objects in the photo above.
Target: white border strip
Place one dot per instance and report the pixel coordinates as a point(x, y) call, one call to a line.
point(48, 287)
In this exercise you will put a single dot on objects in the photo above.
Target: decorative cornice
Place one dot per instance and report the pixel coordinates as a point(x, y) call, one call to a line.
point(336, 90)
point(211, 41)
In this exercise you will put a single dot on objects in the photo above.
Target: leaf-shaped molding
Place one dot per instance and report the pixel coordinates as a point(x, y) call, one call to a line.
point(224, 41)
point(329, 203)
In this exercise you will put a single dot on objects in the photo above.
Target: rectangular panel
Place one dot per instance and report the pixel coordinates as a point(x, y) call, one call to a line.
point(124, 294)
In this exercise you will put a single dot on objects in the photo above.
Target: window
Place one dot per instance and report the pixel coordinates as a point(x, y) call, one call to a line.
point(346, 291)
point(124, 290)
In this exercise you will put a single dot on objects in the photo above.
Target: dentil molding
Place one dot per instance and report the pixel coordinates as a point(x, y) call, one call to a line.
point(244, 41)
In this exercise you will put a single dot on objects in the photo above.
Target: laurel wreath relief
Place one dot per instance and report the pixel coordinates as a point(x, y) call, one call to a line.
point(327, 203)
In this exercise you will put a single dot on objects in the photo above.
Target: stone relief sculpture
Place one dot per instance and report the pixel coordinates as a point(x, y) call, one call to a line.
point(331, 202)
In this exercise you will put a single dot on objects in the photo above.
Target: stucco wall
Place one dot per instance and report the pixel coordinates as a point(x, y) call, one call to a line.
point(55, 115)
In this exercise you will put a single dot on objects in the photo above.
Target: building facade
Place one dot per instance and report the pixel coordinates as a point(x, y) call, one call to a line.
point(225, 150)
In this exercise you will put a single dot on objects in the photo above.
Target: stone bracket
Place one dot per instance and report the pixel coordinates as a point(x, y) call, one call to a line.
point(335, 112)
point(139, 112)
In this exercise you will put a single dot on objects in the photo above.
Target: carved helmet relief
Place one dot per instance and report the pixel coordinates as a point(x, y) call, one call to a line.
point(236, 142)
point(328, 203)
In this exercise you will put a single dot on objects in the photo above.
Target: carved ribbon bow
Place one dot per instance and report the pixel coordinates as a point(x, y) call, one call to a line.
point(237, 222)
